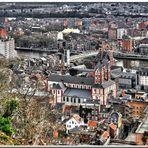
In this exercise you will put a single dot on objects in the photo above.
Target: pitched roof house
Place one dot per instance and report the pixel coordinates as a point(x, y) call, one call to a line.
point(73, 122)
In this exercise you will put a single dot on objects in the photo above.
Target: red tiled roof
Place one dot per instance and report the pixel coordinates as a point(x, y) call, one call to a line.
point(55, 134)
point(92, 123)
point(105, 135)
point(113, 126)
point(3, 33)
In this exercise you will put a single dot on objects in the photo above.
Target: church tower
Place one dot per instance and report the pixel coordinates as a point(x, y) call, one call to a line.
point(99, 74)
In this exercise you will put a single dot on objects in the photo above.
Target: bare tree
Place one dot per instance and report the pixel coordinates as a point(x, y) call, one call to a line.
point(32, 120)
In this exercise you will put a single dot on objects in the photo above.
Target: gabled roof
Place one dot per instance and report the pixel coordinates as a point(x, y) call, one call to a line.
point(92, 123)
point(113, 126)
point(105, 135)
point(71, 79)
point(104, 84)
point(81, 93)
point(77, 118)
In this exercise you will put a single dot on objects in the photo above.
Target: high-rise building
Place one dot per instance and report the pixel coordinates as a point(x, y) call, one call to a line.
point(7, 48)
point(7, 44)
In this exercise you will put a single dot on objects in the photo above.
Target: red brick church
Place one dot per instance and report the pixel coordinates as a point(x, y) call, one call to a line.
point(76, 90)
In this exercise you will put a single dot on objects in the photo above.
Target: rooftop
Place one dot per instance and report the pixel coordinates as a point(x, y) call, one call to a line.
point(77, 117)
point(143, 45)
point(104, 84)
point(78, 93)
point(144, 69)
point(105, 135)
point(71, 79)
point(113, 126)
point(124, 74)
point(92, 123)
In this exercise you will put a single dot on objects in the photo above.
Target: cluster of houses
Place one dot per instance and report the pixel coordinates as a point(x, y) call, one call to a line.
point(90, 104)
point(96, 85)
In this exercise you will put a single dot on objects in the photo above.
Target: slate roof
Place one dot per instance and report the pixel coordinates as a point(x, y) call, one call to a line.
point(113, 75)
point(71, 79)
point(143, 71)
point(74, 130)
point(143, 46)
point(92, 101)
point(78, 92)
point(99, 65)
point(104, 85)
point(124, 74)
point(83, 70)
point(104, 62)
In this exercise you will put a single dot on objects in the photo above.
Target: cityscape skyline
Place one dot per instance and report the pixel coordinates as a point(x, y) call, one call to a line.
point(74, 73)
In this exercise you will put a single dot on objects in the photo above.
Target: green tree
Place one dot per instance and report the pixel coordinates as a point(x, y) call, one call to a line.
point(5, 126)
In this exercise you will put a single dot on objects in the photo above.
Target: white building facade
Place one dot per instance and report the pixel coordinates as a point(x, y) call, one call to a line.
point(75, 121)
point(121, 32)
point(7, 48)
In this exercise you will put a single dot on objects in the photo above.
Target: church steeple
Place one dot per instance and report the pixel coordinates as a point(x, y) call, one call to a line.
point(102, 69)
point(99, 73)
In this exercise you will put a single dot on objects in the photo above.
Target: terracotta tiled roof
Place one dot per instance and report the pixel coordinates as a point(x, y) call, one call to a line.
point(113, 126)
point(105, 135)
point(92, 123)
point(55, 134)
point(3, 33)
